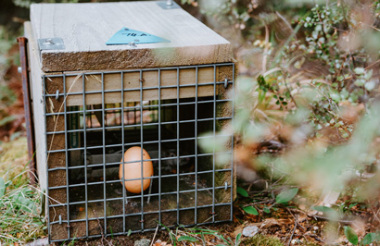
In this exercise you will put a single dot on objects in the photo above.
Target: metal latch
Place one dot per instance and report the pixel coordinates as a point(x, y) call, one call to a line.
point(51, 44)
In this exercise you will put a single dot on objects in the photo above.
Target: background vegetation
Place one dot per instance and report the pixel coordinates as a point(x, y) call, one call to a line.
point(307, 108)
point(307, 115)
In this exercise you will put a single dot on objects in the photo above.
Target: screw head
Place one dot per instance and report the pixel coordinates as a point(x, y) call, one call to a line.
point(133, 44)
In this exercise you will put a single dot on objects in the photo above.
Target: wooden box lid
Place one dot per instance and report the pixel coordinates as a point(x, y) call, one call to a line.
point(85, 28)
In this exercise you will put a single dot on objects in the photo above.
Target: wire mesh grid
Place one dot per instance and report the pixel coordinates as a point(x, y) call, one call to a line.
point(165, 111)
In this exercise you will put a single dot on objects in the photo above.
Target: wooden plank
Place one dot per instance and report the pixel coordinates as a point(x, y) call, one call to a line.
point(85, 29)
point(40, 131)
point(38, 108)
point(131, 81)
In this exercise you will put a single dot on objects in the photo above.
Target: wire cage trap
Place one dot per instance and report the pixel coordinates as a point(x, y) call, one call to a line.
point(152, 109)
point(118, 127)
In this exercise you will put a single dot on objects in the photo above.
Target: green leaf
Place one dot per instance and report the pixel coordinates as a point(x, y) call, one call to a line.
point(351, 235)
point(324, 209)
point(2, 187)
point(242, 192)
point(286, 195)
point(359, 70)
point(261, 81)
point(7, 120)
point(261, 96)
point(368, 239)
point(352, 205)
point(237, 239)
point(187, 239)
point(251, 210)
point(266, 210)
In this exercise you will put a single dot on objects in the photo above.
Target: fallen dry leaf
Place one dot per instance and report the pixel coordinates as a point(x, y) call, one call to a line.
point(359, 227)
point(238, 229)
point(269, 223)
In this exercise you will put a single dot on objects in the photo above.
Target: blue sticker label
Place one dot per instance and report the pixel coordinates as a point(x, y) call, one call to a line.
point(127, 36)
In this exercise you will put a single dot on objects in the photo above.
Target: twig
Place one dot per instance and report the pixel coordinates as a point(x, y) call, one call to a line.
point(101, 230)
point(370, 26)
point(322, 217)
point(294, 229)
point(333, 220)
point(56, 120)
point(323, 26)
point(264, 64)
point(296, 218)
point(375, 214)
point(309, 235)
point(284, 20)
point(371, 65)
point(289, 91)
point(154, 236)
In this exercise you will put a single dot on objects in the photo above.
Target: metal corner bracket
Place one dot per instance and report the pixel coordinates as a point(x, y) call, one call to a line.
point(51, 44)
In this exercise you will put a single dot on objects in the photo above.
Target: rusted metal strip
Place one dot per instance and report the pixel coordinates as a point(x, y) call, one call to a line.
point(22, 41)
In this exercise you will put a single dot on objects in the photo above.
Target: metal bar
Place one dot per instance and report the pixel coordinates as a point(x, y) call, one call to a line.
point(123, 149)
point(142, 149)
point(178, 154)
point(138, 196)
point(134, 89)
point(137, 107)
point(85, 149)
point(154, 212)
point(213, 149)
point(159, 146)
point(147, 124)
point(150, 69)
point(47, 155)
point(104, 120)
point(66, 160)
point(118, 180)
point(22, 41)
point(196, 147)
point(118, 163)
point(135, 231)
point(134, 113)
point(133, 143)
point(232, 144)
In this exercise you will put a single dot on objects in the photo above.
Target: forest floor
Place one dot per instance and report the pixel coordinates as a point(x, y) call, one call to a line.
point(282, 225)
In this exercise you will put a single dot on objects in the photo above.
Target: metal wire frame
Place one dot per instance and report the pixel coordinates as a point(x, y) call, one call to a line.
point(178, 139)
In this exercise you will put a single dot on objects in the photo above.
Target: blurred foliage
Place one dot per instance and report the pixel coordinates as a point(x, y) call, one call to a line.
point(307, 100)
point(7, 96)
point(27, 3)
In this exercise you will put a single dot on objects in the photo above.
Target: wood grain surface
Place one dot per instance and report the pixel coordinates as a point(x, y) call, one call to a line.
point(86, 27)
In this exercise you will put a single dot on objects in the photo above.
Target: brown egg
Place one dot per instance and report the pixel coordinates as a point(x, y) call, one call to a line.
point(133, 170)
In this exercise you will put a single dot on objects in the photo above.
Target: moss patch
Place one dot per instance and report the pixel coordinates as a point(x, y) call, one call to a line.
point(262, 240)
